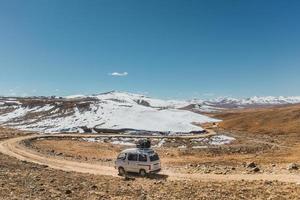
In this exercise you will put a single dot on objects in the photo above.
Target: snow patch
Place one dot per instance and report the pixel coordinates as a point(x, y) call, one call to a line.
point(160, 143)
point(221, 140)
point(123, 143)
point(76, 96)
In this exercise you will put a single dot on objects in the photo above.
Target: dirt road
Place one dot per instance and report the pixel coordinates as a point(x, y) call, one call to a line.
point(12, 147)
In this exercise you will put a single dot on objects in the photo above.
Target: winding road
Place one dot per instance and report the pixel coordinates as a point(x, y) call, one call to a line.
point(14, 148)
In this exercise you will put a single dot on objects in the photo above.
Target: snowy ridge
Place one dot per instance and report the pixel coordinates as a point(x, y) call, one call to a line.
point(257, 100)
point(134, 98)
point(113, 110)
point(205, 105)
point(270, 100)
point(221, 103)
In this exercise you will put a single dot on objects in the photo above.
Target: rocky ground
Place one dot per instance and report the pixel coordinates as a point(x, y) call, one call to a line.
point(23, 180)
point(242, 156)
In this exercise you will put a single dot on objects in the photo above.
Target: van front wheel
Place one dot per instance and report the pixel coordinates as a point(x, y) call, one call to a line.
point(121, 171)
point(143, 173)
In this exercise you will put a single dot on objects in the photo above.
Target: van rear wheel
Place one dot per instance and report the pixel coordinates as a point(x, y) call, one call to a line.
point(143, 173)
point(121, 171)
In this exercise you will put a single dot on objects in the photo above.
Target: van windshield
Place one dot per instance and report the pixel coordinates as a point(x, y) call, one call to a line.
point(122, 156)
point(154, 157)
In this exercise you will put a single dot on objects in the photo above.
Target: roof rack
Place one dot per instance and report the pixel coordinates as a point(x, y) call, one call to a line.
point(143, 144)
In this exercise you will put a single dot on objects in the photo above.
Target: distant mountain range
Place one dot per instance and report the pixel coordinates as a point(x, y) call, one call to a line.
point(119, 111)
point(219, 104)
point(269, 100)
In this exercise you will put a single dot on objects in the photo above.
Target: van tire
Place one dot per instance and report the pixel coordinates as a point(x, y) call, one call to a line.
point(122, 171)
point(143, 173)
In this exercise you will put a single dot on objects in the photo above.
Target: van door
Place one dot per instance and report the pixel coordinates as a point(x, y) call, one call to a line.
point(132, 162)
point(155, 163)
point(143, 162)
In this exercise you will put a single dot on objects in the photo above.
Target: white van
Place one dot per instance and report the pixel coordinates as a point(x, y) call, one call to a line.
point(142, 161)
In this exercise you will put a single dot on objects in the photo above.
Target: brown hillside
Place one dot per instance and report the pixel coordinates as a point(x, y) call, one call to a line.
point(276, 120)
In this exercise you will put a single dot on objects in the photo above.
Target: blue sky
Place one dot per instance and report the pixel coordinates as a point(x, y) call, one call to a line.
point(168, 49)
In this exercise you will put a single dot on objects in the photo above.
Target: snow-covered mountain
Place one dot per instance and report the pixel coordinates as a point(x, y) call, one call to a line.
point(223, 103)
point(119, 111)
point(228, 102)
point(134, 98)
point(112, 110)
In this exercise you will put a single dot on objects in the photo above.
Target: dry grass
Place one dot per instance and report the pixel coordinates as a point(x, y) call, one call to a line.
point(6, 133)
point(79, 149)
point(274, 121)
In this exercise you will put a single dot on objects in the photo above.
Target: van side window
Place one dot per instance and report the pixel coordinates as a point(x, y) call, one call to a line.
point(154, 157)
point(132, 157)
point(142, 158)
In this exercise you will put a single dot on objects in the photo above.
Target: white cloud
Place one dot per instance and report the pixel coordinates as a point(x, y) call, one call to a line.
point(118, 74)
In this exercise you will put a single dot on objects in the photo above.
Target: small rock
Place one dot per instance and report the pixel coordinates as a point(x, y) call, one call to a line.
point(52, 180)
point(158, 182)
point(268, 182)
point(190, 165)
point(256, 169)
point(68, 192)
point(251, 165)
point(142, 197)
point(94, 187)
point(24, 161)
point(293, 166)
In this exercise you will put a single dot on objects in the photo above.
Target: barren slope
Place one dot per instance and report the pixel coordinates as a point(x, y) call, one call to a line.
point(276, 120)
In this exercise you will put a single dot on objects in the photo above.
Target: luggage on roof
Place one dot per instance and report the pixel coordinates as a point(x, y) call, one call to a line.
point(143, 144)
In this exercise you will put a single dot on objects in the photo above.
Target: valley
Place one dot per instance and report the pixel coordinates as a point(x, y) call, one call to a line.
point(249, 152)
